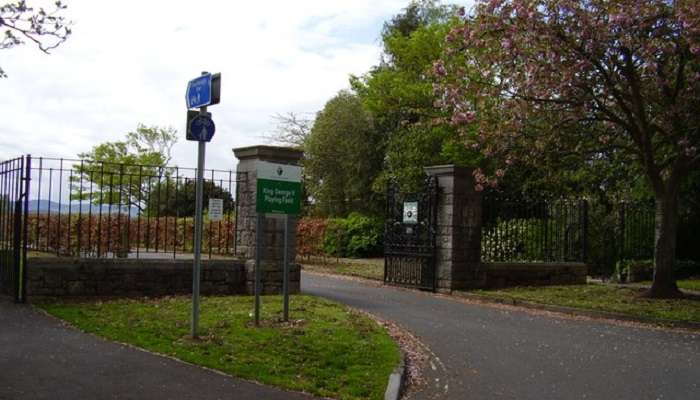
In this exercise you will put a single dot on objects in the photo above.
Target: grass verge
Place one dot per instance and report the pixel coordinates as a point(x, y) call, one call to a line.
point(688, 284)
point(363, 268)
point(326, 349)
point(604, 298)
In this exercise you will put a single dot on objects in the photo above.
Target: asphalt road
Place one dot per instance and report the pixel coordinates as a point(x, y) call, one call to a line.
point(42, 359)
point(484, 352)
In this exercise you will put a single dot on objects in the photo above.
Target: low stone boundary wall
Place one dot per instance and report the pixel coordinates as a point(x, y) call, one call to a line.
point(131, 277)
point(505, 274)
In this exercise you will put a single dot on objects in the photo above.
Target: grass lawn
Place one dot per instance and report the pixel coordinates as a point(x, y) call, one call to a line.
point(689, 284)
point(368, 268)
point(604, 298)
point(326, 349)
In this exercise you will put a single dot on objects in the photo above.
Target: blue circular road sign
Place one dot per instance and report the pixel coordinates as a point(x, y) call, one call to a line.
point(202, 128)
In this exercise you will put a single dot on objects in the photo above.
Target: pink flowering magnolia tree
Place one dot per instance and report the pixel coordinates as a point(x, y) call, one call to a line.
point(521, 78)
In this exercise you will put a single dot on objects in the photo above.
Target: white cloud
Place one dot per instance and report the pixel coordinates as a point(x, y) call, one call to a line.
point(129, 62)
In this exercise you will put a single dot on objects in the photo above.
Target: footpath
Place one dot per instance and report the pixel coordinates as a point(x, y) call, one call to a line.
point(41, 358)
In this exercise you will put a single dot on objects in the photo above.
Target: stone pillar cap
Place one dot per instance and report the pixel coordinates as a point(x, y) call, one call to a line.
point(269, 153)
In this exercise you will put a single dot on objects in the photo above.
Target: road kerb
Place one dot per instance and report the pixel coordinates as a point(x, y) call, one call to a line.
point(397, 381)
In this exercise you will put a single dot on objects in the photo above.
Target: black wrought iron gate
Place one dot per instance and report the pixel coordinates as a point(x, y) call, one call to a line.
point(14, 203)
point(409, 237)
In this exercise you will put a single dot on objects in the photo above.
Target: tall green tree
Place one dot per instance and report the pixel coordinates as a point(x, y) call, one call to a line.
point(176, 197)
point(399, 94)
point(124, 172)
point(343, 157)
point(19, 22)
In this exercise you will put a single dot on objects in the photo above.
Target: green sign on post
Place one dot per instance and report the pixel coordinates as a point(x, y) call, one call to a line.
point(278, 192)
point(278, 189)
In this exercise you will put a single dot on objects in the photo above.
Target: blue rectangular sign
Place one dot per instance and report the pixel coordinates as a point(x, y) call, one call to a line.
point(199, 92)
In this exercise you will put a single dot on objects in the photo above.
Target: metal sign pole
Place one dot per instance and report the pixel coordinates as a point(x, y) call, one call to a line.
point(258, 254)
point(285, 278)
point(199, 190)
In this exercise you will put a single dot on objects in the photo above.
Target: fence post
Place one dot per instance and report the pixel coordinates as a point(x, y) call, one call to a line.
point(621, 229)
point(584, 230)
point(25, 227)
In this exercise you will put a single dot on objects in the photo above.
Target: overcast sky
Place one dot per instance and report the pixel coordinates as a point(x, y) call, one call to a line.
point(129, 62)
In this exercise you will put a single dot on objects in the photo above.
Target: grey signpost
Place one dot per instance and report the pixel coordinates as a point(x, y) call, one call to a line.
point(278, 192)
point(201, 92)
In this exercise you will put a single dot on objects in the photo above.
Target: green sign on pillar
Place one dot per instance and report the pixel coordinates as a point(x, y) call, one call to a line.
point(278, 189)
point(278, 192)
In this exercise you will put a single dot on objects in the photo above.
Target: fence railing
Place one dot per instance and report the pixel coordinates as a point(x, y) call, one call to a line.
point(519, 230)
point(84, 208)
point(13, 234)
point(566, 230)
point(636, 228)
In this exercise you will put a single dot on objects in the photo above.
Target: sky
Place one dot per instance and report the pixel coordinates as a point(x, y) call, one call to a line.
point(128, 62)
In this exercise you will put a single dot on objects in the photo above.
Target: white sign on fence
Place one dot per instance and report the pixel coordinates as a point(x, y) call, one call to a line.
point(216, 209)
point(410, 212)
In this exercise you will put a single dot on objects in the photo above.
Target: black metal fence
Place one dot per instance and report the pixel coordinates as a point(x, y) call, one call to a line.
point(540, 230)
point(83, 208)
point(14, 187)
point(635, 230)
point(566, 230)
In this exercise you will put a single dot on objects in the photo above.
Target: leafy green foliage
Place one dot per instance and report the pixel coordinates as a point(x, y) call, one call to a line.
point(355, 236)
point(170, 198)
point(344, 154)
point(327, 349)
point(124, 172)
point(399, 95)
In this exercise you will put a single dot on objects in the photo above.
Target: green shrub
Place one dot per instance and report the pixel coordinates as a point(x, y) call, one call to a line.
point(334, 237)
point(355, 236)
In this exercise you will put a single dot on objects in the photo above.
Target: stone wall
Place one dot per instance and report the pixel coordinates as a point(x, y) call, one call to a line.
point(499, 275)
point(130, 277)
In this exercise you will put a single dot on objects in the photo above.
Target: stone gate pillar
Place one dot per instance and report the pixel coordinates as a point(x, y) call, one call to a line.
point(458, 251)
point(273, 245)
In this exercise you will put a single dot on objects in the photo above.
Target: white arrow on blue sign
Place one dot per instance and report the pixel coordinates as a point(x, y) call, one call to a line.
point(199, 91)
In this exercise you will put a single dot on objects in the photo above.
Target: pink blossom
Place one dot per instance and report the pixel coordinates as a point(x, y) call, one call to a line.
point(479, 187)
point(695, 49)
point(460, 117)
point(500, 173)
point(439, 68)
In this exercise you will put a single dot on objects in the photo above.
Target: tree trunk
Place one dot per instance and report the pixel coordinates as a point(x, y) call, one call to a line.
point(664, 285)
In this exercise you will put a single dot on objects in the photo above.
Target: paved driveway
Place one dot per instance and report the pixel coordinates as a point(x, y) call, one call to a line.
point(483, 352)
point(42, 359)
